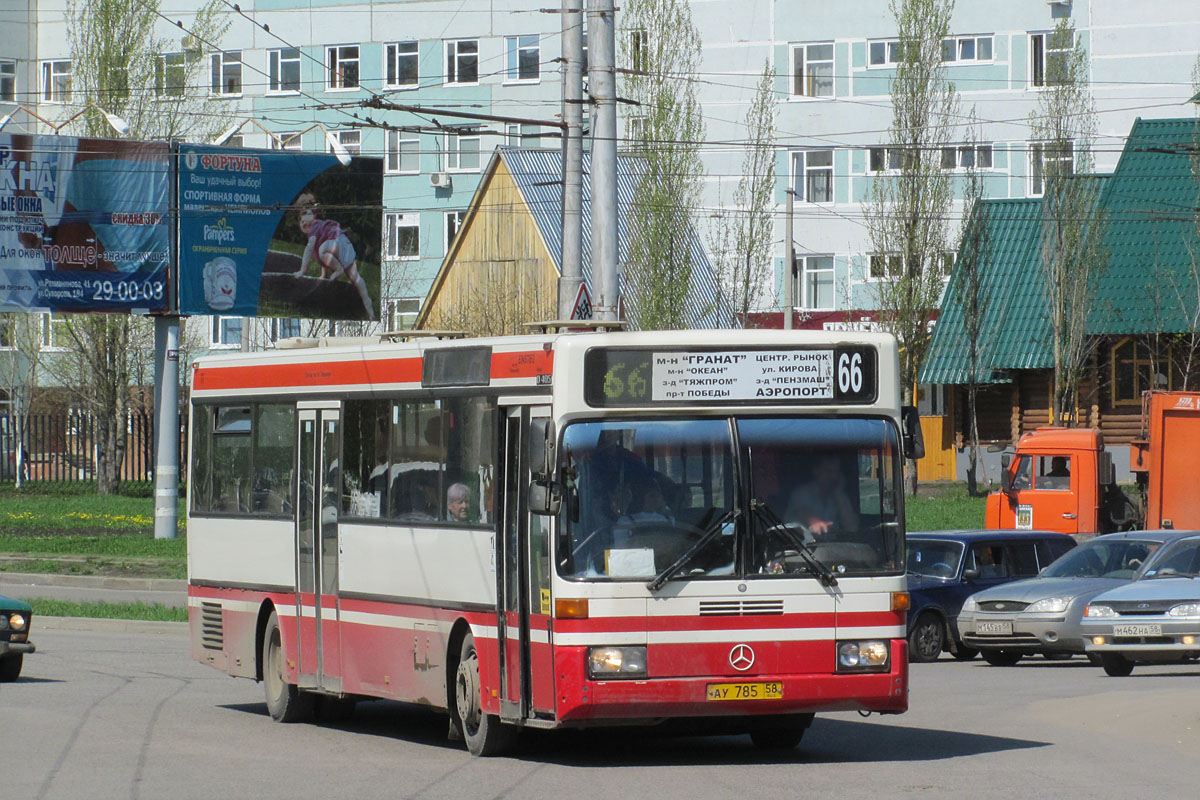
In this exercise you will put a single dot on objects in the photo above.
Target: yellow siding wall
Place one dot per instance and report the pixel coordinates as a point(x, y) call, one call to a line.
point(499, 274)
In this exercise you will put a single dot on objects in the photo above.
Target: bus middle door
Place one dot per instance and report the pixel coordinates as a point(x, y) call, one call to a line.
point(524, 613)
point(317, 609)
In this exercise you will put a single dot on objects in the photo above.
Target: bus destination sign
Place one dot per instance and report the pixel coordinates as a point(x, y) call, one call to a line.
point(688, 377)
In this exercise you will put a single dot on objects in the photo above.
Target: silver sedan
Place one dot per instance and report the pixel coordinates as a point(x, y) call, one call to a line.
point(1043, 614)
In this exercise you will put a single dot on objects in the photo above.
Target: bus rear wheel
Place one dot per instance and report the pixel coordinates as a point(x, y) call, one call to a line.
point(484, 733)
point(285, 701)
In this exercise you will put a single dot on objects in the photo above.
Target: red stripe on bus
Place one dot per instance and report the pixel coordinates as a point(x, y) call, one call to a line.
point(321, 373)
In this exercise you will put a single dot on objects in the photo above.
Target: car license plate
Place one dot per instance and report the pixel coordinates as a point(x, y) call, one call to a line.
point(745, 691)
point(993, 628)
point(1137, 630)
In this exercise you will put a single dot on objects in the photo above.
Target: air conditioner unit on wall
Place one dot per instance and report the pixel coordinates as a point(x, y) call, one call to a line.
point(439, 180)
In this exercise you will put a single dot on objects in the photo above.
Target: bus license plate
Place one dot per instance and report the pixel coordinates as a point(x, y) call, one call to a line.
point(1137, 630)
point(745, 691)
point(993, 628)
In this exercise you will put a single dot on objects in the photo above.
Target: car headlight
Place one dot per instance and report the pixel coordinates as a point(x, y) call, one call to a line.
point(1184, 610)
point(17, 621)
point(969, 604)
point(1099, 611)
point(869, 655)
point(617, 662)
point(3, 622)
point(1049, 605)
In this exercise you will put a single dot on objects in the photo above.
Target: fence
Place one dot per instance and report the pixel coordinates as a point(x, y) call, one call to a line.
point(62, 447)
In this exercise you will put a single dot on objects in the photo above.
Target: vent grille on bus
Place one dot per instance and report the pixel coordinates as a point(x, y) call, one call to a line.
point(212, 631)
point(736, 608)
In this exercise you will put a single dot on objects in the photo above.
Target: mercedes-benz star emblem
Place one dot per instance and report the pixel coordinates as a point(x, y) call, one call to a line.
point(741, 657)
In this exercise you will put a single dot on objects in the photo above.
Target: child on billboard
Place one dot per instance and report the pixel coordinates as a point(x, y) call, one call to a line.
point(333, 250)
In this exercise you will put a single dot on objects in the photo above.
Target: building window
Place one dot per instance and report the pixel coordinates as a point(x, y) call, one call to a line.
point(226, 72)
point(8, 80)
point(462, 61)
point(403, 152)
point(812, 70)
point(885, 159)
point(1049, 55)
point(1133, 372)
point(56, 81)
point(462, 151)
point(1048, 160)
point(402, 68)
point(524, 58)
point(812, 175)
point(170, 75)
point(286, 141)
point(237, 140)
point(947, 259)
point(227, 331)
point(814, 282)
point(522, 135)
point(343, 66)
point(55, 335)
point(883, 53)
point(639, 50)
point(402, 234)
point(966, 49)
point(966, 156)
point(284, 328)
point(454, 221)
point(400, 314)
point(883, 265)
point(285, 69)
point(351, 140)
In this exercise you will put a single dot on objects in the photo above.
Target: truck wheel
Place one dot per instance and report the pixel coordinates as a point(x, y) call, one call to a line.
point(1116, 665)
point(10, 667)
point(1001, 658)
point(285, 701)
point(926, 639)
point(484, 733)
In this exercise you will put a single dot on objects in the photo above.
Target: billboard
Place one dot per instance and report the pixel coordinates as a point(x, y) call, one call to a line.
point(278, 233)
point(84, 224)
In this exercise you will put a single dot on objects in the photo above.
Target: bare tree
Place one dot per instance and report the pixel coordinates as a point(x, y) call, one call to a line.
point(908, 212)
point(1073, 254)
point(742, 241)
point(122, 67)
point(20, 362)
point(973, 246)
point(661, 48)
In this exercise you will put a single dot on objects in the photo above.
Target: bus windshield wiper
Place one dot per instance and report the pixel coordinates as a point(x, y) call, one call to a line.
point(715, 529)
point(775, 524)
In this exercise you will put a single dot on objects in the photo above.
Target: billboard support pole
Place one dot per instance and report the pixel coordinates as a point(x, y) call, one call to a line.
point(166, 411)
point(602, 82)
point(571, 276)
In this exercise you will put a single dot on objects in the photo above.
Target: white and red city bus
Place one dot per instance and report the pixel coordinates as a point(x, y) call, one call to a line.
point(559, 530)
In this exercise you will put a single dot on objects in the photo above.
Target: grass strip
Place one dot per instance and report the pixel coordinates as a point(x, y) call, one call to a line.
point(950, 510)
point(154, 612)
point(140, 545)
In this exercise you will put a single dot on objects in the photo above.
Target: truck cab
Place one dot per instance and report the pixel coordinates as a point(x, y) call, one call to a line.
point(1059, 479)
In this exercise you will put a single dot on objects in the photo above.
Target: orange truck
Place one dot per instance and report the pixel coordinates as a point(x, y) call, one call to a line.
point(1062, 479)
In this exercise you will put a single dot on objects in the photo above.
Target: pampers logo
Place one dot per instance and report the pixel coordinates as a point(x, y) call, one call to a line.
point(221, 232)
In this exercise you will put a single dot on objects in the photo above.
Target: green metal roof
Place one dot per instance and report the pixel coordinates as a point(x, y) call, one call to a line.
point(1150, 204)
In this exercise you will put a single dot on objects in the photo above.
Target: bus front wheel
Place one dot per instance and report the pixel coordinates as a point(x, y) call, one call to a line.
point(484, 733)
point(780, 734)
point(285, 701)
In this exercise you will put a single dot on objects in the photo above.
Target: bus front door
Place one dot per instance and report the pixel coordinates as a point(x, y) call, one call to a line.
point(523, 583)
point(317, 612)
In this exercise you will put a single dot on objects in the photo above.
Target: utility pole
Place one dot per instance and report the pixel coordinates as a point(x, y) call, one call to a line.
point(571, 278)
point(602, 81)
point(789, 263)
point(166, 411)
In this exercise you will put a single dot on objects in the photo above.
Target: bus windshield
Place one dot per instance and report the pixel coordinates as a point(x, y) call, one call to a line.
point(744, 497)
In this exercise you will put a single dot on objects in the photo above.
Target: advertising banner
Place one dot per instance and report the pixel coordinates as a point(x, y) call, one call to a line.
point(84, 224)
point(278, 233)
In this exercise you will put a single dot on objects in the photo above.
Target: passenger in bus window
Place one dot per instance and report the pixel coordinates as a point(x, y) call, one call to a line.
point(822, 505)
point(458, 502)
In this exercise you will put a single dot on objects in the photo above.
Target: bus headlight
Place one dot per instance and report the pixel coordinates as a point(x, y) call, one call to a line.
point(862, 656)
point(616, 662)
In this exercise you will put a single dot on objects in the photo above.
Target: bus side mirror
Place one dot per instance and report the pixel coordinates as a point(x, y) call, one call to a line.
point(545, 498)
point(1005, 475)
point(541, 447)
point(914, 440)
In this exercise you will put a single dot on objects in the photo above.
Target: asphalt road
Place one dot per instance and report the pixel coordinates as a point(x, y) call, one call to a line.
point(117, 714)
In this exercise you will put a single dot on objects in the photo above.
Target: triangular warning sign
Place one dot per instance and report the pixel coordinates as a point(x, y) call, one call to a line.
point(583, 304)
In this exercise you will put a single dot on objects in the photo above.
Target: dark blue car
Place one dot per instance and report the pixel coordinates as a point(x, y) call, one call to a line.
point(947, 567)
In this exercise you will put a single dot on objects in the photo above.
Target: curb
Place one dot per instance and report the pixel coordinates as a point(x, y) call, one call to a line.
point(95, 582)
point(98, 625)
